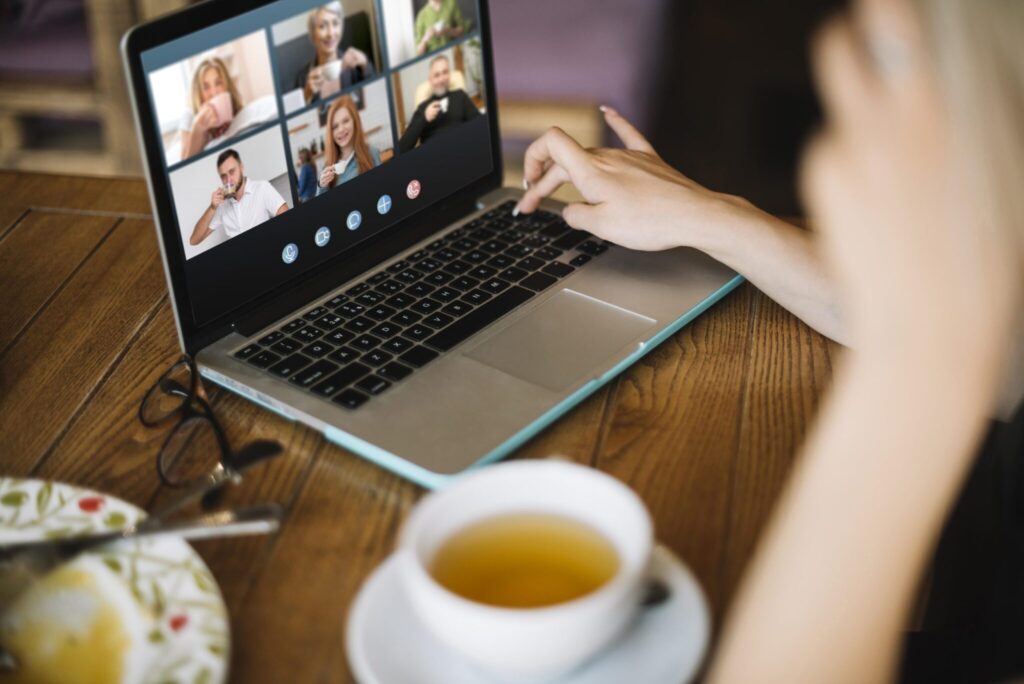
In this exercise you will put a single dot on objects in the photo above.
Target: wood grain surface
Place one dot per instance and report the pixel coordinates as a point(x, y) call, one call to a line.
point(704, 428)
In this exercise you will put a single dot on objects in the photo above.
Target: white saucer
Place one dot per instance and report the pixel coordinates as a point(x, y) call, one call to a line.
point(387, 644)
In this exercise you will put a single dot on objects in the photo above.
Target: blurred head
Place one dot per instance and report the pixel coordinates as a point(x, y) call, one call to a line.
point(210, 79)
point(439, 75)
point(344, 132)
point(305, 156)
point(326, 25)
point(230, 169)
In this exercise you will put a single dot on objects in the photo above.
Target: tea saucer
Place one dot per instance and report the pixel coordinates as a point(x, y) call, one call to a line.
point(181, 631)
point(387, 644)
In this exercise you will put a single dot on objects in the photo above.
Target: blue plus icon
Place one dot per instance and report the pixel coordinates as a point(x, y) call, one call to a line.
point(384, 204)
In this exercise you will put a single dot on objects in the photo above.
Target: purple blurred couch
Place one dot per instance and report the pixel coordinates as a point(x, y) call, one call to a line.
point(593, 51)
point(44, 39)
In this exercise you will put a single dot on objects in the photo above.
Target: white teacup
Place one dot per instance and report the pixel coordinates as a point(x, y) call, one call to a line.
point(529, 644)
point(444, 104)
point(331, 71)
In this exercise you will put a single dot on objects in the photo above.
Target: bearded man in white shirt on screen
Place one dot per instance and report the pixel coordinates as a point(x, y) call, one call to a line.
point(239, 203)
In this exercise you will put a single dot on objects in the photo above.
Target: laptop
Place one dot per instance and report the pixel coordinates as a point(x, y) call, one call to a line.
point(326, 181)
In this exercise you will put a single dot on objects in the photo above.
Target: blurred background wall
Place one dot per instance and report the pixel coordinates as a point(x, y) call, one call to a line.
point(722, 87)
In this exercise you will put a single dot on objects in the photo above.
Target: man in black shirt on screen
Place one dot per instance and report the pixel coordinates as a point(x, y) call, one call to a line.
point(443, 109)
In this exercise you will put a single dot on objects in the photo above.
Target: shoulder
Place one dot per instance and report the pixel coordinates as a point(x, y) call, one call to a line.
point(375, 154)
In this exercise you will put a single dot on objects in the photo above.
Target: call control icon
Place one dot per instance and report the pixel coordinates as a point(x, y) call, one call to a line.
point(323, 236)
point(290, 253)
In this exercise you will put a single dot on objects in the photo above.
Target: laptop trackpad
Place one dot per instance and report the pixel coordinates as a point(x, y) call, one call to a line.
point(562, 341)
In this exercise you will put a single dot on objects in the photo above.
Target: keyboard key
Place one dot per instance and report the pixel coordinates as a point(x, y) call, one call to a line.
point(287, 346)
point(373, 384)
point(446, 294)
point(395, 372)
point(438, 278)
point(548, 253)
point(398, 345)
point(438, 320)
point(308, 334)
point(340, 337)
point(530, 263)
point(428, 265)
point(418, 256)
point(290, 365)
point(538, 281)
point(464, 245)
point(346, 376)
point(534, 241)
point(558, 269)
point(465, 283)
point(592, 248)
point(479, 319)
point(407, 318)
point(357, 289)
point(476, 256)
point(314, 314)
point(289, 328)
point(360, 325)
point(386, 330)
point(570, 239)
point(398, 266)
point(457, 309)
point(519, 251)
point(350, 309)
point(351, 399)
point(422, 289)
point(270, 338)
point(390, 287)
point(409, 275)
point(317, 349)
point(376, 358)
point(437, 244)
point(366, 342)
point(458, 267)
point(370, 298)
point(447, 255)
point(314, 374)
point(400, 301)
point(580, 260)
point(329, 322)
point(477, 297)
point(495, 286)
point(555, 230)
point(381, 313)
point(425, 306)
point(246, 352)
point(494, 246)
point(263, 359)
point(335, 302)
point(419, 356)
point(501, 261)
point(418, 332)
point(344, 355)
point(482, 234)
point(482, 272)
point(377, 278)
point(513, 274)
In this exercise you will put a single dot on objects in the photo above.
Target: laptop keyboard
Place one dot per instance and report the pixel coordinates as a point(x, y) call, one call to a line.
point(359, 344)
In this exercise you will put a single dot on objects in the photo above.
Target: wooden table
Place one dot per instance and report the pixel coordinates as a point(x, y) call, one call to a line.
point(705, 427)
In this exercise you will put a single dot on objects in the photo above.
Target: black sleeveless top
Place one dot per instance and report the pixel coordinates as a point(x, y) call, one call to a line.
point(973, 625)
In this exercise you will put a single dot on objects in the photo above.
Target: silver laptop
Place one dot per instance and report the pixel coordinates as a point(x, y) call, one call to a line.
point(327, 186)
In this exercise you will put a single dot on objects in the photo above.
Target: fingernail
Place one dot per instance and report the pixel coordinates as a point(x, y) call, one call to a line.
point(603, 108)
point(515, 212)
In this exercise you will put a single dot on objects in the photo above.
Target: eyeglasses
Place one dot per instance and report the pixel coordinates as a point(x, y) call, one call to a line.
point(196, 453)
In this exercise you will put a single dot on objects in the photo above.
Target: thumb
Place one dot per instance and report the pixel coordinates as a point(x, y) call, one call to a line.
point(582, 216)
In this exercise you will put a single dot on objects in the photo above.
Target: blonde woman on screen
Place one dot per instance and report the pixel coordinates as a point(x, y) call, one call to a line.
point(214, 103)
point(914, 187)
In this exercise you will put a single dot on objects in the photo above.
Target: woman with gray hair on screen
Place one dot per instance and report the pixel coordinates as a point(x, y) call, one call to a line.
point(331, 70)
point(914, 189)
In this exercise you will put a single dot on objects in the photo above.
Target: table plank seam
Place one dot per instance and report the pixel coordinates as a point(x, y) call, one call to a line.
point(14, 224)
point(605, 423)
point(94, 212)
point(56, 292)
point(82, 405)
point(719, 599)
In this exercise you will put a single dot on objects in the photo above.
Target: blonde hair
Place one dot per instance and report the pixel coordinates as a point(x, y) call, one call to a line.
point(197, 85)
point(978, 52)
point(334, 8)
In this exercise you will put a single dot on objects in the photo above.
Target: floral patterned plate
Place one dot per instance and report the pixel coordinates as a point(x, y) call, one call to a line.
point(189, 634)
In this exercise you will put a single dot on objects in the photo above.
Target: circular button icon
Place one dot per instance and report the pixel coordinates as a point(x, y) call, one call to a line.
point(354, 220)
point(413, 189)
point(290, 253)
point(384, 204)
point(323, 236)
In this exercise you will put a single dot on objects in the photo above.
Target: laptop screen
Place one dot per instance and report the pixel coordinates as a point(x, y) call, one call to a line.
point(293, 132)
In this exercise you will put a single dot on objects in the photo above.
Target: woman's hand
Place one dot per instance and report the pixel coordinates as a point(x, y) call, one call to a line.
point(327, 177)
point(632, 197)
point(354, 59)
point(205, 120)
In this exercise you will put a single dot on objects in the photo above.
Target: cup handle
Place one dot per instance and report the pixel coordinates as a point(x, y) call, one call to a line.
point(659, 588)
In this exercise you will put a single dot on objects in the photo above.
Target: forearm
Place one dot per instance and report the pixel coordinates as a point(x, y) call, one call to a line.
point(780, 259)
point(202, 229)
point(829, 592)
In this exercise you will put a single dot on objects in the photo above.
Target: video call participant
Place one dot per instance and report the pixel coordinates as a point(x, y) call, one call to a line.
point(239, 203)
point(347, 153)
point(326, 28)
point(437, 24)
point(443, 109)
point(307, 175)
point(202, 123)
